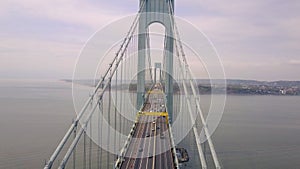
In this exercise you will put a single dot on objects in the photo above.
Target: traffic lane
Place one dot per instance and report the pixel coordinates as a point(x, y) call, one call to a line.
point(141, 146)
point(166, 146)
point(159, 149)
point(164, 160)
point(129, 152)
point(145, 148)
point(129, 161)
point(136, 161)
point(143, 142)
point(163, 140)
point(147, 161)
point(151, 147)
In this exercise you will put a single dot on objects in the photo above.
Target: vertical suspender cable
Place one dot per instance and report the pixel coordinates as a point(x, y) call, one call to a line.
point(84, 150)
point(200, 151)
point(214, 155)
point(115, 109)
point(120, 105)
point(109, 122)
point(72, 128)
point(90, 145)
point(100, 123)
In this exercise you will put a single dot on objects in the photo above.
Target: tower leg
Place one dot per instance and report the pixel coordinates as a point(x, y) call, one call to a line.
point(169, 75)
point(141, 70)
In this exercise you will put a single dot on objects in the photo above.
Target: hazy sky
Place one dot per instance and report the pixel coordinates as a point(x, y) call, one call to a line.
point(257, 39)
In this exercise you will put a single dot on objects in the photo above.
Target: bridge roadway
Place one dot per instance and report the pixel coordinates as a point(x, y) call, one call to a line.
point(150, 147)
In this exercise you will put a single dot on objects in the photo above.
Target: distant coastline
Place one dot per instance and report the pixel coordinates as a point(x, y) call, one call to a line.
point(251, 87)
point(234, 87)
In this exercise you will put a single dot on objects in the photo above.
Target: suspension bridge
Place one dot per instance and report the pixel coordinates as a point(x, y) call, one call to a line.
point(111, 132)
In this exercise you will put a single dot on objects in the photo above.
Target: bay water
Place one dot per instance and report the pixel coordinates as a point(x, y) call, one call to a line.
point(260, 132)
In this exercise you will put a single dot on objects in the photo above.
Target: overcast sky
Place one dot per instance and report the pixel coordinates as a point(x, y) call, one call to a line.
point(257, 39)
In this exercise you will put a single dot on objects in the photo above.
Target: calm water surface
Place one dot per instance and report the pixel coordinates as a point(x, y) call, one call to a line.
point(255, 132)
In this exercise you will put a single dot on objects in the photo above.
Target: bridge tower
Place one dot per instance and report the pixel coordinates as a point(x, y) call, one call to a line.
point(156, 11)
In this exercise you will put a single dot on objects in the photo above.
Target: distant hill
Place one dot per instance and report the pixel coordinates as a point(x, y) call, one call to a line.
point(250, 87)
point(249, 82)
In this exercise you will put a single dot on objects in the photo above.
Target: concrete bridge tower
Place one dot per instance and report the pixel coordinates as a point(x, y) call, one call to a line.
point(156, 11)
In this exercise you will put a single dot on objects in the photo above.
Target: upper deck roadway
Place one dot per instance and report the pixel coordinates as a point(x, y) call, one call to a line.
point(150, 147)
